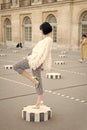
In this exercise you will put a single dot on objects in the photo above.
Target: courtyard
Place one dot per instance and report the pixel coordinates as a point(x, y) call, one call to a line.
point(66, 96)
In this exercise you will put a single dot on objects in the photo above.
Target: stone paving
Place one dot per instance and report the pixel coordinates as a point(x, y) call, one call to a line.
point(66, 96)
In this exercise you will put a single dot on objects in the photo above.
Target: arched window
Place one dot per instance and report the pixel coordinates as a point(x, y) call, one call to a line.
point(8, 31)
point(27, 30)
point(52, 20)
point(83, 24)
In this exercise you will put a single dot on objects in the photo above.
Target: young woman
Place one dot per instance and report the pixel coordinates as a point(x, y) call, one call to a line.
point(84, 48)
point(39, 59)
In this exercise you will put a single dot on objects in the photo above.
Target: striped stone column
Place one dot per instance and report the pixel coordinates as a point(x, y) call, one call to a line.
point(31, 114)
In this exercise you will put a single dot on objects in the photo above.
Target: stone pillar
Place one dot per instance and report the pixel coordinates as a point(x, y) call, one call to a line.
point(1, 3)
point(15, 28)
point(37, 2)
point(15, 3)
point(36, 21)
point(64, 30)
point(75, 41)
point(18, 3)
point(0, 32)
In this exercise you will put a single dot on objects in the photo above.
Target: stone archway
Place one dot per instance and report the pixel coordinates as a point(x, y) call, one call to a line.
point(52, 20)
point(27, 31)
point(8, 32)
point(83, 24)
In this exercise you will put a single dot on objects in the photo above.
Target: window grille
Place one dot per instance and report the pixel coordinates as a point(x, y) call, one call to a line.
point(84, 24)
point(8, 30)
point(27, 29)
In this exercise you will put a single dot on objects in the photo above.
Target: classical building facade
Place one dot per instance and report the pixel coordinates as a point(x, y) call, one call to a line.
point(20, 20)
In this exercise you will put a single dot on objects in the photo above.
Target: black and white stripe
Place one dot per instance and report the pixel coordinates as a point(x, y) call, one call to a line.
point(3, 54)
point(60, 62)
point(62, 56)
point(8, 66)
point(53, 75)
point(37, 115)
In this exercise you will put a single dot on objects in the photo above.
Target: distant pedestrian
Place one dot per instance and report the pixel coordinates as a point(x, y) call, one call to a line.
point(83, 48)
point(39, 59)
point(19, 45)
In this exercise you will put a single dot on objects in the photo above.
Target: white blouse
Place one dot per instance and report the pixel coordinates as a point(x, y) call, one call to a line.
point(41, 54)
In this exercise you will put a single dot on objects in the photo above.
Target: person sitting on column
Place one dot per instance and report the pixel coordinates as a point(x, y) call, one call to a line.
point(39, 59)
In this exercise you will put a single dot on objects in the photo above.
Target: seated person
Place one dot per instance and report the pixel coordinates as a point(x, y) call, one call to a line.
point(19, 45)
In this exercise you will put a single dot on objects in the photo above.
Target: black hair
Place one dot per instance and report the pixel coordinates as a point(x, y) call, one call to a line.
point(46, 28)
point(84, 35)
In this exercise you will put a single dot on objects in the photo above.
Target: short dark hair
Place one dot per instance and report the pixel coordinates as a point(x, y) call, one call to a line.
point(46, 28)
point(84, 35)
